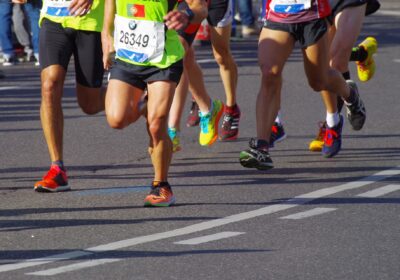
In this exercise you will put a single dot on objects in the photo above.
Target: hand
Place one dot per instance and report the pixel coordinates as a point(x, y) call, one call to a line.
point(107, 42)
point(176, 20)
point(80, 7)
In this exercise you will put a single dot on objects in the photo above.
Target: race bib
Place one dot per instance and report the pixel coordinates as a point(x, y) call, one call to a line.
point(139, 41)
point(290, 6)
point(58, 8)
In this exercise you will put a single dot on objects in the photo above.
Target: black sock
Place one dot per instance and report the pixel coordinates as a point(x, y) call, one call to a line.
point(358, 54)
point(346, 75)
point(59, 163)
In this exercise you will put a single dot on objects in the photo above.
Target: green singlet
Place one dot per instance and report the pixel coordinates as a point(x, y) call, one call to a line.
point(57, 11)
point(140, 35)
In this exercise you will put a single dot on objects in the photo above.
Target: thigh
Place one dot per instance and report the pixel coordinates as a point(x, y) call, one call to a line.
point(88, 59)
point(316, 59)
point(274, 48)
point(122, 100)
point(348, 24)
point(160, 95)
point(220, 39)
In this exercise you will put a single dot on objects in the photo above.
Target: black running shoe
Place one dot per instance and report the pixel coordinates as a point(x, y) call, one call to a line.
point(356, 113)
point(255, 157)
point(277, 134)
point(333, 140)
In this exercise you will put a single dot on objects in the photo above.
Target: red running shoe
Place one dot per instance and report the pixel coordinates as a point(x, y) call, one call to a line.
point(54, 181)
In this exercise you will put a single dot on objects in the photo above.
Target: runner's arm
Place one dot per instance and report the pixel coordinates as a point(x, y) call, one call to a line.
point(107, 38)
point(179, 19)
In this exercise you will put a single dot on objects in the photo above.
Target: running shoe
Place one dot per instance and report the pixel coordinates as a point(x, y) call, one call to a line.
point(160, 195)
point(193, 118)
point(356, 113)
point(366, 68)
point(209, 124)
point(256, 157)
point(333, 139)
point(317, 144)
point(54, 181)
point(277, 134)
point(174, 135)
point(230, 124)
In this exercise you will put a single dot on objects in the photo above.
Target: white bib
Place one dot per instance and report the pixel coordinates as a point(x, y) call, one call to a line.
point(139, 40)
point(290, 6)
point(58, 8)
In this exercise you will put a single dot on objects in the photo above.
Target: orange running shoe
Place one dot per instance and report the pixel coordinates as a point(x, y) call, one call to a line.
point(160, 195)
point(54, 181)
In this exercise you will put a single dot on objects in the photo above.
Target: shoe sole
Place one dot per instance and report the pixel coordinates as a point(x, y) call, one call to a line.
point(59, 189)
point(250, 162)
point(160, 204)
point(232, 138)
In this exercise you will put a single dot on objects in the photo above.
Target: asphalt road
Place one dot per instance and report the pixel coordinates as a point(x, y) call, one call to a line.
point(308, 218)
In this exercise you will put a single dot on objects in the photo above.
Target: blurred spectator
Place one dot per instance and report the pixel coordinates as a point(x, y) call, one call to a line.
point(245, 8)
point(22, 30)
point(5, 33)
point(32, 12)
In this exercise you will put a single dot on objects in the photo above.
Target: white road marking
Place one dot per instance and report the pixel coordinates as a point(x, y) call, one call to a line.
point(8, 88)
point(380, 191)
point(397, 60)
point(72, 267)
point(208, 238)
point(388, 13)
point(239, 59)
point(309, 213)
point(296, 201)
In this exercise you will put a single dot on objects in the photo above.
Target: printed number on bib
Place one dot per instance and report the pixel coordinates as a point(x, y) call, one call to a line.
point(139, 41)
point(57, 8)
point(290, 6)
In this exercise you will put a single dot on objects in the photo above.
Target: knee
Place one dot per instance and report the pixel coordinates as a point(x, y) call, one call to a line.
point(318, 84)
point(88, 108)
point(271, 75)
point(115, 120)
point(223, 57)
point(156, 126)
point(50, 91)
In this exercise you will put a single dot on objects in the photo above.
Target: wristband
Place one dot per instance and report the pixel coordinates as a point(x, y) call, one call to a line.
point(189, 13)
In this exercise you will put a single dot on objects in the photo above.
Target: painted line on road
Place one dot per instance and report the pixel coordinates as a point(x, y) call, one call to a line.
point(397, 60)
point(208, 238)
point(9, 88)
point(309, 213)
point(294, 202)
point(72, 267)
point(380, 191)
point(388, 13)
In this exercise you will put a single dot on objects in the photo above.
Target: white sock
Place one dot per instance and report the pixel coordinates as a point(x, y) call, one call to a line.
point(332, 119)
point(278, 117)
point(202, 114)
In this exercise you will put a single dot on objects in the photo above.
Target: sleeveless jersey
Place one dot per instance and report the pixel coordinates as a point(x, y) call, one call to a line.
point(296, 11)
point(140, 35)
point(57, 11)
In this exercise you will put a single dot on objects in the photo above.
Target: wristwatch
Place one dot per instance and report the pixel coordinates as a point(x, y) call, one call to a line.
point(189, 13)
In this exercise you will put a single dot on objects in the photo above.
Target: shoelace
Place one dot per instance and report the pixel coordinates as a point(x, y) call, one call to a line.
point(227, 122)
point(329, 136)
point(322, 130)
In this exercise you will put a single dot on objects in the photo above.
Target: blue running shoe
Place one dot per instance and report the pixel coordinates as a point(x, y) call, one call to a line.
point(333, 139)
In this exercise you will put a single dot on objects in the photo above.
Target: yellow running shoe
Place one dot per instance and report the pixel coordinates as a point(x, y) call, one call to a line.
point(366, 68)
point(174, 135)
point(317, 144)
point(209, 124)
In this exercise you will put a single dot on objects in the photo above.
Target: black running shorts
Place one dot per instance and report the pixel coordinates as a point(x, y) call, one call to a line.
point(219, 15)
point(138, 76)
point(58, 44)
point(306, 33)
point(339, 5)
